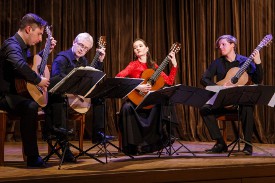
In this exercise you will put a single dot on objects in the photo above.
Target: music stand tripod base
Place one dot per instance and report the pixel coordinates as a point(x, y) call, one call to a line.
point(244, 95)
point(178, 94)
point(112, 88)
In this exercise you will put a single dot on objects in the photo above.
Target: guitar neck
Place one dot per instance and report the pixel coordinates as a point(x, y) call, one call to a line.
point(161, 67)
point(45, 55)
point(96, 58)
point(246, 64)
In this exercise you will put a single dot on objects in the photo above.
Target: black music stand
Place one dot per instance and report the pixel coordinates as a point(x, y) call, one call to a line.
point(111, 88)
point(181, 94)
point(79, 81)
point(244, 95)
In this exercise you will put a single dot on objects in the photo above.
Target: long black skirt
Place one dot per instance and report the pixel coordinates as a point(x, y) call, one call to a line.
point(142, 131)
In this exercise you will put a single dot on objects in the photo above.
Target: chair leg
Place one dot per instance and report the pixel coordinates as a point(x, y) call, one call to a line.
point(81, 133)
point(3, 121)
point(223, 127)
point(224, 131)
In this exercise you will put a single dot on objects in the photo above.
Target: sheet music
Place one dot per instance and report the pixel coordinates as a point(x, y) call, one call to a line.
point(62, 81)
point(215, 88)
point(212, 99)
point(272, 101)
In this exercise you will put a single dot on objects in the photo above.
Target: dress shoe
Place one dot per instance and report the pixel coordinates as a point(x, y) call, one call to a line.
point(218, 148)
point(36, 162)
point(69, 157)
point(47, 136)
point(62, 131)
point(248, 150)
point(100, 137)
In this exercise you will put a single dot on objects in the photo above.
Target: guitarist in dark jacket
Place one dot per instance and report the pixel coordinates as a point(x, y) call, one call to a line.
point(63, 64)
point(220, 68)
point(13, 65)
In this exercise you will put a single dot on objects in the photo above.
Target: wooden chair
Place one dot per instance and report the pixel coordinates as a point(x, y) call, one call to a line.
point(224, 119)
point(80, 117)
point(4, 117)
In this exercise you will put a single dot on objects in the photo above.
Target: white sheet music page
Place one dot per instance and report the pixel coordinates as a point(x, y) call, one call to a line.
point(272, 101)
point(215, 88)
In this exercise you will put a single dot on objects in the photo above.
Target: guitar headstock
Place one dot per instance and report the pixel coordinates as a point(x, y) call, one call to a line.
point(102, 42)
point(266, 41)
point(175, 47)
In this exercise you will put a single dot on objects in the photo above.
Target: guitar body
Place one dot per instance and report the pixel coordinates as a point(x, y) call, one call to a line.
point(243, 80)
point(40, 95)
point(78, 103)
point(136, 96)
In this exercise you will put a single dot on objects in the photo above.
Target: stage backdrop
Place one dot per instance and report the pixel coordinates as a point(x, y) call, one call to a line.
point(196, 24)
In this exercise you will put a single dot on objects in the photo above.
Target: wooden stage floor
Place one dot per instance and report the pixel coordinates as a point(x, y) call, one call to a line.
point(181, 167)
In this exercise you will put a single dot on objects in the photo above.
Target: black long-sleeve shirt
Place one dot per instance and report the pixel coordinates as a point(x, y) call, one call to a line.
point(13, 64)
point(65, 62)
point(221, 66)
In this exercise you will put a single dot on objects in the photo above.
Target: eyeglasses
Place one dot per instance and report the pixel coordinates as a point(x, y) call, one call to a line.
point(82, 46)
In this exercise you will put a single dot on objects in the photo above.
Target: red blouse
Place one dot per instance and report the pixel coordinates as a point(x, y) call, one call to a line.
point(135, 69)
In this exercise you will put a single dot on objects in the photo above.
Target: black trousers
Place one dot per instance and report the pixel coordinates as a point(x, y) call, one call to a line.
point(57, 109)
point(55, 113)
point(27, 110)
point(209, 116)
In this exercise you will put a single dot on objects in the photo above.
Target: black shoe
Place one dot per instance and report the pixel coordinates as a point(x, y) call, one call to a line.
point(69, 157)
point(62, 131)
point(36, 162)
point(47, 136)
point(218, 148)
point(100, 137)
point(247, 150)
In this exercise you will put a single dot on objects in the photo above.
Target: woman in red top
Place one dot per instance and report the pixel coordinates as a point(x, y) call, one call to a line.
point(143, 130)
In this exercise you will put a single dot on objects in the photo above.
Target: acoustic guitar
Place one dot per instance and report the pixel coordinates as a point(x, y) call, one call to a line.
point(79, 103)
point(153, 78)
point(39, 65)
point(237, 75)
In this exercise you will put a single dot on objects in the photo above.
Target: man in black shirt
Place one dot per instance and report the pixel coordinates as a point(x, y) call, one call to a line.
point(13, 65)
point(57, 108)
point(227, 45)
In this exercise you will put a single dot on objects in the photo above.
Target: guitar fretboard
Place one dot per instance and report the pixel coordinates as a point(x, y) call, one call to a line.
point(246, 64)
point(96, 58)
point(46, 53)
point(161, 67)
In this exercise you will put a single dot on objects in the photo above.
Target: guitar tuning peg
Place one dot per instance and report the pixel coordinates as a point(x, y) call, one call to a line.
point(268, 44)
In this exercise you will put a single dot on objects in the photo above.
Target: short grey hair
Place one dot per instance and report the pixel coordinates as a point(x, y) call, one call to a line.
point(229, 38)
point(84, 36)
